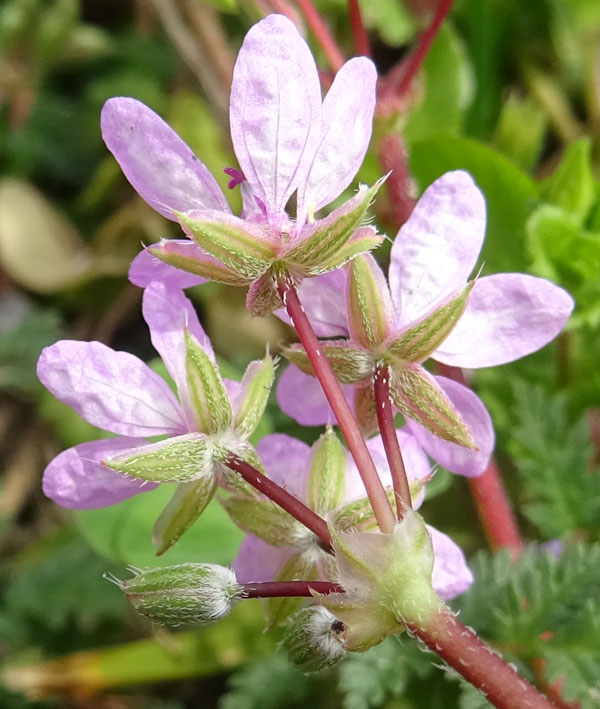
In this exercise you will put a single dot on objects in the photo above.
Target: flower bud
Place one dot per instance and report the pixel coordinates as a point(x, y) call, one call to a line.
point(313, 639)
point(187, 594)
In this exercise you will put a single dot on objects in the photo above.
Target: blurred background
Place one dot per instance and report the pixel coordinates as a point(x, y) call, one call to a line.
point(509, 91)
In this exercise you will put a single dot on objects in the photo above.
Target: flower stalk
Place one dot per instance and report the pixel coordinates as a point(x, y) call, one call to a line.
point(322, 34)
point(375, 491)
point(281, 497)
point(477, 663)
point(359, 31)
point(385, 419)
point(288, 589)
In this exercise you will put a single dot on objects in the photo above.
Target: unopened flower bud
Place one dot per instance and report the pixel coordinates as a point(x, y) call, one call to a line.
point(313, 639)
point(187, 594)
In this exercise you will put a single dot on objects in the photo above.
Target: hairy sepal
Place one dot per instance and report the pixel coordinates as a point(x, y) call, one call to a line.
point(368, 313)
point(326, 479)
point(364, 239)
point(278, 610)
point(185, 506)
point(254, 393)
point(209, 268)
point(327, 236)
point(262, 297)
point(263, 519)
point(314, 640)
point(417, 396)
point(208, 395)
point(350, 364)
point(178, 459)
point(417, 343)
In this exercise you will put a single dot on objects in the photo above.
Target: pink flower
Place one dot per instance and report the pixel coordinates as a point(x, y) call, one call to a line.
point(287, 141)
point(429, 310)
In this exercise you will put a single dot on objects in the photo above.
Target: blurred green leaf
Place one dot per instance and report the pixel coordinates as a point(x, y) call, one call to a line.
point(520, 131)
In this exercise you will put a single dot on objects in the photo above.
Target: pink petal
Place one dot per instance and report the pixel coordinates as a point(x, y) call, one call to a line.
point(112, 390)
point(169, 314)
point(75, 478)
point(451, 575)
point(452, 456)
point(275, 111)
point(324, 301)
point(300, 396)
point(509, 315)
point(160, 166)
point(436, 250)
point(346, 125)
point(147, 268)
point(258, 561)
point(287, 462)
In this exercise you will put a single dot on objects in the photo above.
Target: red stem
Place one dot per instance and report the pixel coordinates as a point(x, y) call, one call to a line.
point(491, 501)
point(417, 58)
point(361, 38)
point(483, 668)
point(385, 419)
point(335, 396)
point(281, 497)
point(280, 589)
point(322, 34)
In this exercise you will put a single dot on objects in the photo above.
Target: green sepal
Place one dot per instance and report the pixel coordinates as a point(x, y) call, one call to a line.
point(185, 506)
point(416, 395)
point(277, 610)
point(367, 308)
point(241, 247)
point(229, 479)
point(252, 398)
point(177, 459)
point(350, 364)
point(364, 409)
point(327, 476)
point(417, 343)
point(313, 639)
point(332, 233)
point(263, 519)
point(208, 395)
point(365, 239)
point(263, 297)
point(210, 269)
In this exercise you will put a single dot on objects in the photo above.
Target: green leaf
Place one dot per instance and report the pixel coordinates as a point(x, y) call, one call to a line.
point(572, 186)
point(520, 131)
point(509, 193)
point(123, 532)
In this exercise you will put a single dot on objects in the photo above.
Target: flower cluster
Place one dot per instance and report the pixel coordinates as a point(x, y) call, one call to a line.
point(311, 513)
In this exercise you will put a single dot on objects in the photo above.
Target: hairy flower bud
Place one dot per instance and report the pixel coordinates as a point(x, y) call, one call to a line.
point(187, 594)
point(314, 639)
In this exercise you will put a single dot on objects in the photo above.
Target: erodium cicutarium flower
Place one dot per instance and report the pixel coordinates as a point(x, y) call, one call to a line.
point(287, 141)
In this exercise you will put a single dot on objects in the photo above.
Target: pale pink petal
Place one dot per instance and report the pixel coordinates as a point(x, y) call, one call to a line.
point(451, 575)
point(509, 315)
point(452, 456)
point(75, 478)
point(287, 462)
point(146, 268)
point(324, 301)
point(112, 390)
point(275, 111)
point(436, 250)
point(169, 314)
point(160, 166)
point(300, 396)
point(346, 125)
point(258, 561)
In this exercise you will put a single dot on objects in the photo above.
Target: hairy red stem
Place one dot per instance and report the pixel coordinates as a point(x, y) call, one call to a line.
point(385, 419)
point(281, 589)
point(281, 497)
point(322, 34)
point(359, 32)
point(477, 663)
point(416, 59)
point(335, 396)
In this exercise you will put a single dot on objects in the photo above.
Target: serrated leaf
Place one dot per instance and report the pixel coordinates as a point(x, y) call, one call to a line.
point(183, 509)
point(177, 459)
point(208, 394)
point(326, 479)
